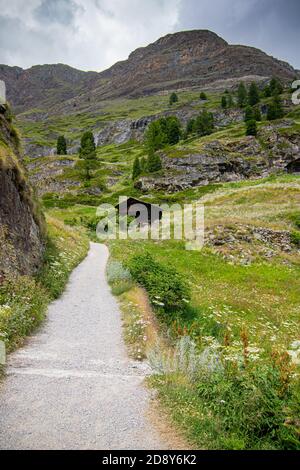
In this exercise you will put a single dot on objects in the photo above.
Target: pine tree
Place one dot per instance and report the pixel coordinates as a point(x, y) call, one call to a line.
point(61, 146)
point(249, 114)
point(230, 102)
point(155, 137)
point(242, 95)
point(87, 154)
point(173, 98)
point(173, 130)
point(224, 102)
point(143, 165)
point(203, 96)
point(190, 126)
point(267, 91)
point(136, 169)
point(275, 109)
point(276, 87)
point(251, 127)
point(253, 95)
point(154, 162)
point(257, 113)
point(204, 124)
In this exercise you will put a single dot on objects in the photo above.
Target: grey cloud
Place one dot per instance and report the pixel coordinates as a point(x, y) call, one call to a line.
point(56, 11)
point(93, 34)
point(271, 25)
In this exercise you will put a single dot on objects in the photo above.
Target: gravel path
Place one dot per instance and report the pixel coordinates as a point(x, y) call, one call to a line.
point(73, 386)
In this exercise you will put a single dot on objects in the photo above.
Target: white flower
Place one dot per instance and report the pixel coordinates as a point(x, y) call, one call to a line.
point(295, 344)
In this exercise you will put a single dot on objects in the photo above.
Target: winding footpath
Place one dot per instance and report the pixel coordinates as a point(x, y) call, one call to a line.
point(72, 386)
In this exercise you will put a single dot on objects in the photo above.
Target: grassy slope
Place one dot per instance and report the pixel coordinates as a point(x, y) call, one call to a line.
point(261, 299)
point(263, 296)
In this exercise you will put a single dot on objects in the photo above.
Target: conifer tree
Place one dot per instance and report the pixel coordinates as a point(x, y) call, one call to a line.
point(224, 102)
point(249, 114)
point(173, 98)
point(242, 95)
point(257, 113)
point(143, 165)
point(253, 95)
point(190, 126)
point(61, 146)
point(230, 102)
point(275, 109)
point(154, 162)
point(173, 130)
point(87, 154)
point(136, 169)
point(251, 128)
point(276, 87)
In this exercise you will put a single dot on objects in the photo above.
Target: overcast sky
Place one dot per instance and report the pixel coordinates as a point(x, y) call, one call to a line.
point(94, 34)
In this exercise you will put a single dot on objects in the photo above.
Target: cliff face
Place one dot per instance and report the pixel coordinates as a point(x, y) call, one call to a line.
point(185, 59)
point(21, 226)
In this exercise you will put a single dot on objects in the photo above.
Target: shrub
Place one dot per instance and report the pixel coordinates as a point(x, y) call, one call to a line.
point(167, 289)
point(118, 277)
point(295, 238)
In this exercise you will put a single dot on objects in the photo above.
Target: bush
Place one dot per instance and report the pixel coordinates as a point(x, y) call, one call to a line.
point(295, 238)
point(167, 289)
point(118, 277)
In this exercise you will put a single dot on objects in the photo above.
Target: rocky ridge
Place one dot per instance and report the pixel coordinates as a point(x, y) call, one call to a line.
point(223, 161)
point(181, 60)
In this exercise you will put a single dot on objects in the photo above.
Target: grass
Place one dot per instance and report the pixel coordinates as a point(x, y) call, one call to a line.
point(245, 315)
point(24, 299)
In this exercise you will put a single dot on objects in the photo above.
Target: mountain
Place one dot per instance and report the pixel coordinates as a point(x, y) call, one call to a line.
point(186, 59)
point(42, 86)
point(181, 60)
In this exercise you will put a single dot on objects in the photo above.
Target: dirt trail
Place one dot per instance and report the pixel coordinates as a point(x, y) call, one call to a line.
point(73, 386)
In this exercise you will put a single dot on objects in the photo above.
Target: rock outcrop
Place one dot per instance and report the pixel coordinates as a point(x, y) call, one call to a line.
point(21, 224)
point(223, 161)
